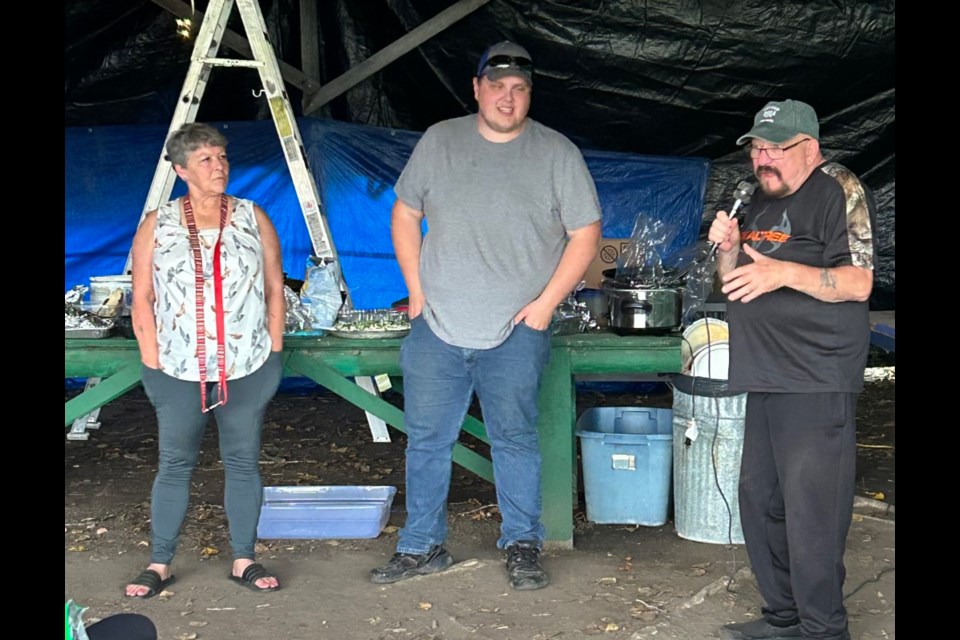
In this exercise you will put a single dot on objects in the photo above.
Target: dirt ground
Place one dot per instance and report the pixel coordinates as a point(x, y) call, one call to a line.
point(619, 582)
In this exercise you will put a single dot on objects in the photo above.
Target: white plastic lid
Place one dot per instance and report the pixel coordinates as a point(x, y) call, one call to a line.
point(712, 361)
point(701, 333)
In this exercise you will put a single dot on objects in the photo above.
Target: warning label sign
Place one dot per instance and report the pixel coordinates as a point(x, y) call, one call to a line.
point(610, 250)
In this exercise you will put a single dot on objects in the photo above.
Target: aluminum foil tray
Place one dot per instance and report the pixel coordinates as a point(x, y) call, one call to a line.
point(103, 332)
point(371, 324)
point(368, 335)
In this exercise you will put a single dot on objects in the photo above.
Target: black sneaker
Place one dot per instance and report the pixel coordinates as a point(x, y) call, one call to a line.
point(523, 567)
point(408, 565)
point(758, 630)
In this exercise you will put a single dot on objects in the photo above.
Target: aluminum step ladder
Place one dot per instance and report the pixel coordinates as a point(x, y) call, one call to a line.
point(78, 431)
point(202, 61)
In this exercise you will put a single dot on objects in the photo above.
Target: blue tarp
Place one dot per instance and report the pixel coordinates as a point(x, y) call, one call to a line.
point(108, 172)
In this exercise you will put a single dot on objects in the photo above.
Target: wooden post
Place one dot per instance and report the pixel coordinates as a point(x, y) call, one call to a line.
point(309, 47)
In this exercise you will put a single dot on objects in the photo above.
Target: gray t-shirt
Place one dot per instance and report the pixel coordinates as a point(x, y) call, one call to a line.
point(497, 217)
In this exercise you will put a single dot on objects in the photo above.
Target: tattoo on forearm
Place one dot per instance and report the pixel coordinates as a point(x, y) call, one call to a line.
point(827, 279)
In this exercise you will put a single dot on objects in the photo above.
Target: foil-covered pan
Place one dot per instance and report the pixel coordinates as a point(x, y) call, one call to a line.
point(82, 323)
point(368, 335)
point(103, 332)
point(371, 324)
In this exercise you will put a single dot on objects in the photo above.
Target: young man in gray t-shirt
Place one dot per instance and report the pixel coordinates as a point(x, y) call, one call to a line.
point(514, 222)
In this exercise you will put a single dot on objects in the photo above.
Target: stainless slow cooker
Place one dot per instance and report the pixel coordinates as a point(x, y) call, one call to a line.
point(635, 308)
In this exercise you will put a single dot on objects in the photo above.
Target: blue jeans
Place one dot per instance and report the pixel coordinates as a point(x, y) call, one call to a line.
point(438, 381)
point(181, 425)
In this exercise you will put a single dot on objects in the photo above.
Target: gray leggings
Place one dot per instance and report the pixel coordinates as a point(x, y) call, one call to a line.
point(181, 426)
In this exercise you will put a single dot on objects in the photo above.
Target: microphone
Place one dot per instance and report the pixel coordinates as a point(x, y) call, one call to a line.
point(742, 194)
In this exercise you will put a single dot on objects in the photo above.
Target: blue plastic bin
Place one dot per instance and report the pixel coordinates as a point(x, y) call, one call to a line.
point(324, 512)
point(627, 454)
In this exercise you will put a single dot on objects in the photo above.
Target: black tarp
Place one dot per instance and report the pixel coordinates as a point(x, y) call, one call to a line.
point(663, 78)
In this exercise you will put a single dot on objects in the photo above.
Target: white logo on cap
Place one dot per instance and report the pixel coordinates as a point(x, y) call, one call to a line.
point(769, 113)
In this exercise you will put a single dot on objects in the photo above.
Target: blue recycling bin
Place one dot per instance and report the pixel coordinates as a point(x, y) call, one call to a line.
point(627, 455)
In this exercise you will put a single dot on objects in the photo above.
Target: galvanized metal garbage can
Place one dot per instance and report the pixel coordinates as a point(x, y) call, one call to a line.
point(708, 423)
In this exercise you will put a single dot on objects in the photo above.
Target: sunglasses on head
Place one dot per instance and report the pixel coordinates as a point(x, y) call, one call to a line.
point(507, 62)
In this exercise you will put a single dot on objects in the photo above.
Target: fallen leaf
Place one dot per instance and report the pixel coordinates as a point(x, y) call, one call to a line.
point(610, 626)
point(879, 495)
point(390, 529)
point(426, 606)
point(77, 547)
point(208, 552)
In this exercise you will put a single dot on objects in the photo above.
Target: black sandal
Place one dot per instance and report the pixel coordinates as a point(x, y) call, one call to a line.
point(251, 574)
point(152, 581)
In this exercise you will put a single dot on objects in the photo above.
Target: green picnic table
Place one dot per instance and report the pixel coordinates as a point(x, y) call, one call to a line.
point(332, 361)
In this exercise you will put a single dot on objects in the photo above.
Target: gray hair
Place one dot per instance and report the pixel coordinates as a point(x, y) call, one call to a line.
point(191, 137)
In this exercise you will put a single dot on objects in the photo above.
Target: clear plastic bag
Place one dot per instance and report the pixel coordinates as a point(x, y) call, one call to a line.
point(298, 314)
point(74, 621)
point(321, 292)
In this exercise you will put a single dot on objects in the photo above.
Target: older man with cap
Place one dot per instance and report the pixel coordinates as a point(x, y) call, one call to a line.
point(514, 222)
point(797, 275)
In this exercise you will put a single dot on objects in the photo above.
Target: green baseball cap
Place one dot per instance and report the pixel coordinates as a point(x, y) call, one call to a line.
point(779, 121)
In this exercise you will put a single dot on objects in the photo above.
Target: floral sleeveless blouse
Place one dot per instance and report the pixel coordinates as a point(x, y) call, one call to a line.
point(245, 321)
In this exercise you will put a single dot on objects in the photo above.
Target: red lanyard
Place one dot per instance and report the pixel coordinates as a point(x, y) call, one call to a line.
point(218, 308)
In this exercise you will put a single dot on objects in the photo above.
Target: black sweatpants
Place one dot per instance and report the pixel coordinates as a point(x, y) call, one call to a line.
point(797, 479)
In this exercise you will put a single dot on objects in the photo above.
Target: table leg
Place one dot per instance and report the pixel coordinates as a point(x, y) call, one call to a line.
point(108, 389)
point(330, 378)
point(558, 449)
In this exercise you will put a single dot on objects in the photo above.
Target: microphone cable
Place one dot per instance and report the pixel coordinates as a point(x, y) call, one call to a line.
point(688, 442)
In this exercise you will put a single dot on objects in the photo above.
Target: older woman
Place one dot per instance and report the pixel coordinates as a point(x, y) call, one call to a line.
point(208, 313)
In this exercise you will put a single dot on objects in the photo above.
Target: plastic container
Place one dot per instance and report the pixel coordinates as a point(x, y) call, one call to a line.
point(706, 472)
point(324, 512)
point(102, 286)
point(626, 454)
point(101, 310)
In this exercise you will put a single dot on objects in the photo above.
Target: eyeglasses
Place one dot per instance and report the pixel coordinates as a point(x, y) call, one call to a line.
point(506, 62)
point(775, 153)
